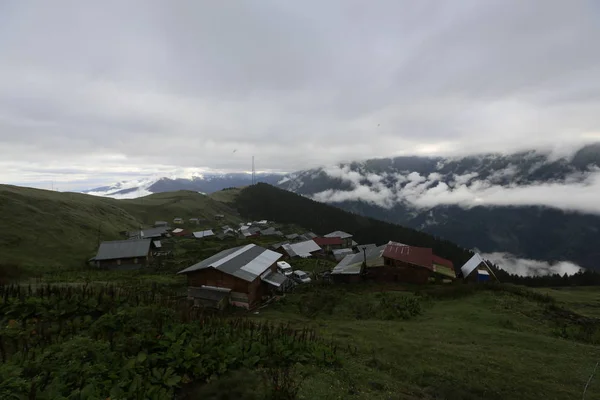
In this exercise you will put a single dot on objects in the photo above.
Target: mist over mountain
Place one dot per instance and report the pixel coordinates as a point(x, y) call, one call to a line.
point(205, 183)
point(530, 204)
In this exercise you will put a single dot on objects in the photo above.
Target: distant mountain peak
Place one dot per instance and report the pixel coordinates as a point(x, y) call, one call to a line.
point(196, 182)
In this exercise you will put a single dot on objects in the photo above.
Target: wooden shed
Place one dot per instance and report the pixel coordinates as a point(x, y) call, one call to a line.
point(250, 272)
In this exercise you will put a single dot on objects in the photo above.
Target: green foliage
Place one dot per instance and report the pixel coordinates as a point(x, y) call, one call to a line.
point(88, 343)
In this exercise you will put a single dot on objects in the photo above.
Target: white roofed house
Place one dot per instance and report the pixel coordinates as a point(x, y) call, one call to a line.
point(203, 234)
point(249, 272)
point(477, 270)
point(302, 249)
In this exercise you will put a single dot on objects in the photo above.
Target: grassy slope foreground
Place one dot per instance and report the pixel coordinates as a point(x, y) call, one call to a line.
point(321, 342)
point(42, 228)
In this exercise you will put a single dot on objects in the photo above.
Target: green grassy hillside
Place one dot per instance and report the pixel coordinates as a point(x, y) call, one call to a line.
point(42, 228)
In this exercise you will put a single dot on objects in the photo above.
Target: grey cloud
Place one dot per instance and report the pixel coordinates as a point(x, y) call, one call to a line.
point(575, 193)
point(527, 267)
point(297, 84)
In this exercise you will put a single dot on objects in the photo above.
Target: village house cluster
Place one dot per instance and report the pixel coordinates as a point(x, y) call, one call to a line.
point(247, 274)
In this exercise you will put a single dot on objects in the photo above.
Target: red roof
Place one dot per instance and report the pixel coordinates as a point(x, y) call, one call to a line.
point(328, 241)
point(419, 256)
point(442, 261)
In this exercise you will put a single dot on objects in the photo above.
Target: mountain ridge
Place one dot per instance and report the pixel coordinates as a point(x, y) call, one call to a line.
point(552, 217)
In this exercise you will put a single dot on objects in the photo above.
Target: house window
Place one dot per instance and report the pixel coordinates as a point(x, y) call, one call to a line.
point(135, 260)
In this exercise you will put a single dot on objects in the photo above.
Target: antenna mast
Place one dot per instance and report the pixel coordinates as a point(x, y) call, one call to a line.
point(253, 172)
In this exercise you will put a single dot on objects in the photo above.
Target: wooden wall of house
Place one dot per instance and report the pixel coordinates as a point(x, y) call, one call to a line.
point(242, 291)
point(116, 263)
point(398, 271)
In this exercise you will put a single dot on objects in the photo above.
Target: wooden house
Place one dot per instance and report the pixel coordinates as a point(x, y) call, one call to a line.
point(124, 254)
point(404, 263)
point(477, 270)
point(249, 272)
point(329, 243)
point(302, 249)
point(346, 238)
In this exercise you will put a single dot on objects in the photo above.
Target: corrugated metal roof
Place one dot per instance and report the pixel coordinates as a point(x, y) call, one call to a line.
point(123, 249)
point(291, 236)
point(351, 264)
point(470, 265)
point(302, 248)
point(418, 256)
point(339, 234)
point(202, 234)
point(275, 278)
point(310, 235)
point(177, 230)
point(148, 233)
point(245, 262)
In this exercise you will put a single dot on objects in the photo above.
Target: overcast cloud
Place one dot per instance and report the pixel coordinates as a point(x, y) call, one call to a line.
point(99, 91)
point(579, 192)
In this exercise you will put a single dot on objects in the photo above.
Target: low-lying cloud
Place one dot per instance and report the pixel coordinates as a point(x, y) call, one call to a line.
point(578, 192)
point(527, 267)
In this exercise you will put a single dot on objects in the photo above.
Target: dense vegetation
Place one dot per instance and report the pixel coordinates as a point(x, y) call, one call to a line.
point(268, 202)
point(80, 342)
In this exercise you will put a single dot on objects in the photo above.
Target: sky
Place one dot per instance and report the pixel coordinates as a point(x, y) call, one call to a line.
point(98, 92)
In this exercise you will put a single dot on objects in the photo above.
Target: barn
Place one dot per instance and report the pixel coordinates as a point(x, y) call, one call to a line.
point(249, 272)
point(403, 263)
point(124, 254)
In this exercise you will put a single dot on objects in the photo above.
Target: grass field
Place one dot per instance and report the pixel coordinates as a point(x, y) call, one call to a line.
point(410, 342)
point(44, 230)
point(486, 345)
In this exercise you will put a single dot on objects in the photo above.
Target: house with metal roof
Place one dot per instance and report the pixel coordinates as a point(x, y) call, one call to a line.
point(178, 220)
point(124, 254)
point(352, 266)
point(203, 234)
point(149, 233)
point(161, 224)
point(194, 221)
point(403, 263)
point(346, 237)
point(477, 270)
point(341, 253)
point(329, 243)
point(302, 249)
point(249, 271)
